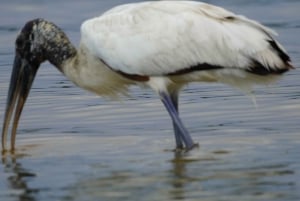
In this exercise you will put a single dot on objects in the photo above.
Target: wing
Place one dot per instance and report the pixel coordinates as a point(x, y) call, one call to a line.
point(165, 37)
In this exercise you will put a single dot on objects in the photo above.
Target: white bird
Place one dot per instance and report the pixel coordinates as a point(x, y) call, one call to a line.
point(163, 45)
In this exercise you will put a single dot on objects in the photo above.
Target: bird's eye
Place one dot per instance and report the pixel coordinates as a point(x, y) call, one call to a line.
point(19, 42)
point(31, 37)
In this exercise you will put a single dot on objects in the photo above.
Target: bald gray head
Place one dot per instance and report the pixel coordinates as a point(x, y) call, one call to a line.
point(40, 40)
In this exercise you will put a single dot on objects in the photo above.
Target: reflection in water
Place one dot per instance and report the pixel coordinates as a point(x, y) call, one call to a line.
point(203, 175)
point(178, 183)
point(18, 180)
point(180, 177)
point(209, 178)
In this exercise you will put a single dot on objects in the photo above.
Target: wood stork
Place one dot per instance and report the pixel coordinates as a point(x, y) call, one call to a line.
point(163, 45)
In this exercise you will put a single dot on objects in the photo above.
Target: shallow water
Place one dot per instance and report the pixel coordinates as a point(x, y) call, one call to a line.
point(73, 145)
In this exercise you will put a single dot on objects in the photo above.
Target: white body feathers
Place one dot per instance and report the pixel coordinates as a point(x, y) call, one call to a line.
point(161, 44)
point(156, 39)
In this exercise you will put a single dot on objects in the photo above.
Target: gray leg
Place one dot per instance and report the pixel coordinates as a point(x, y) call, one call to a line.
point(179, 142)
point(181, 134)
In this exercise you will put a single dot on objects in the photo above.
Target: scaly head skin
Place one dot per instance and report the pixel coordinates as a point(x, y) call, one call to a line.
point(38, 41)
point(41, 40)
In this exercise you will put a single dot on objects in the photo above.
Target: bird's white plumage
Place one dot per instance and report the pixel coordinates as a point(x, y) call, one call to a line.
point(158, 38)
point(161, 44)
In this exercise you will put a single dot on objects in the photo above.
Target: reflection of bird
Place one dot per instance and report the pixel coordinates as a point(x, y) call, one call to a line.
point(18, 179)
point(162, 45)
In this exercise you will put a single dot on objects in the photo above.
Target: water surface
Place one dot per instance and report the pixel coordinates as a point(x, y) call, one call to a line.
point(73, 145)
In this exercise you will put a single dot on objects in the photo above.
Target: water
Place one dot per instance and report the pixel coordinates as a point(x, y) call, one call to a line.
point(76, 146)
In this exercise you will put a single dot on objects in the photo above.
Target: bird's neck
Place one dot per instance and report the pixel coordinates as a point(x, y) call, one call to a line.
point(53, 42)
point(60, 52)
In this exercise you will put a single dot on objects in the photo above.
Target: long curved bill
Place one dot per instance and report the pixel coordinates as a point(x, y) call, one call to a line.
point(21, 80)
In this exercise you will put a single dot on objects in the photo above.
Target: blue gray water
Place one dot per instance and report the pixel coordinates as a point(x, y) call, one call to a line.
point(73, 145)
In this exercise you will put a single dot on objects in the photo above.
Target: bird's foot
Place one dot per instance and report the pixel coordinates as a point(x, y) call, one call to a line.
point(194, 146)
point(182, 149)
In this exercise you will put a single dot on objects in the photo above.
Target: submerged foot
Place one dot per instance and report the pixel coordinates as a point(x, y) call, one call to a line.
point(182, 149)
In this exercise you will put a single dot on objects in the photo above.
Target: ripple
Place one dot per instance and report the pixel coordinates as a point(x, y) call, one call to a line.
point(9, 28)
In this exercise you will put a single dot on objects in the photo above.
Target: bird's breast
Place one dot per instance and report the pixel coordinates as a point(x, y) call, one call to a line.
point(92, 74)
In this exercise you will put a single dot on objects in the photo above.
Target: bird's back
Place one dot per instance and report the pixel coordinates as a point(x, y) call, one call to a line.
point(169, 37)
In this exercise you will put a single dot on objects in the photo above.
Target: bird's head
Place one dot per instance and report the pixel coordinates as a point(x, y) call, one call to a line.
point(29, 45)
point(38, 41)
